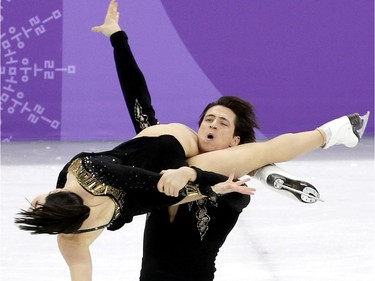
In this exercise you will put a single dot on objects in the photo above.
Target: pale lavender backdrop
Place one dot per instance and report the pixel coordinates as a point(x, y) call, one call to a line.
point(300, 63)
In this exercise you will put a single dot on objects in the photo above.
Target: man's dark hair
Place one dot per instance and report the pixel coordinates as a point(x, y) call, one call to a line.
point(63, 212)
point(246, 120)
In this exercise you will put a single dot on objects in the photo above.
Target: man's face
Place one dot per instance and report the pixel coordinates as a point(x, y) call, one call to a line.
point(217, 129)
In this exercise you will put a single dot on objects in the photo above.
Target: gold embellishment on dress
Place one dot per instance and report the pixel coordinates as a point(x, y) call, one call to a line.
point(94, 186)
point(192, 189)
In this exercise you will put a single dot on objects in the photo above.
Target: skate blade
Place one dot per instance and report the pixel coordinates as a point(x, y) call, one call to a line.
point(364, 120)
point(278, 179)
point(279, 186)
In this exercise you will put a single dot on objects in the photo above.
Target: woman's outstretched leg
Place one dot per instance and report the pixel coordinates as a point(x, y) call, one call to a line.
point(246, 158)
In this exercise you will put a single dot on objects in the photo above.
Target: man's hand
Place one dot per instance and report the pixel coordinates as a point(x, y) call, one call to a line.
point(173, 180)
point(231, 186)
point(110, 24)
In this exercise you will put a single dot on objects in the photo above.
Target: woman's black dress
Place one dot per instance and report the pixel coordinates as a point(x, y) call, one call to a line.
point(129, 173)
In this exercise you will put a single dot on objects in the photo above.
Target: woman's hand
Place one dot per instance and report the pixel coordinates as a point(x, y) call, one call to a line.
point(173, 180)
point(232, 186)
point(110, 24)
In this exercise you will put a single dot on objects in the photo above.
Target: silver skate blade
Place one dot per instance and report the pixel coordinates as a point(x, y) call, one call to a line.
point(299, 192)
point(364, 120)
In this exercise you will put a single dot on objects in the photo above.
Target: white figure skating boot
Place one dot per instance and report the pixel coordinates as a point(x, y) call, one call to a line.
point(286, 184)
point(347, 130)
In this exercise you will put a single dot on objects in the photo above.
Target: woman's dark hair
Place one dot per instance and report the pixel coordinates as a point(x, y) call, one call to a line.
point(63, 212)
point(245, 121)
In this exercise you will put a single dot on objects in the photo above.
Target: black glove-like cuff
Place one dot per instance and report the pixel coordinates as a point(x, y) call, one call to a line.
point(208, 178)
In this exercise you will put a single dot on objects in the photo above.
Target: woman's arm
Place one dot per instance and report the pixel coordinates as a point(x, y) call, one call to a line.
point(210, 183)
point(75, 250)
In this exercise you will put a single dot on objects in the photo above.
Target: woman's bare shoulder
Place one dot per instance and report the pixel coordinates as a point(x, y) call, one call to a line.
point(184, 134)
point(164, 129)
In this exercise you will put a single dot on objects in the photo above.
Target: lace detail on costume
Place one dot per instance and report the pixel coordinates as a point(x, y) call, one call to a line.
point(94, 186)
point(140, 116)
point(202, 216)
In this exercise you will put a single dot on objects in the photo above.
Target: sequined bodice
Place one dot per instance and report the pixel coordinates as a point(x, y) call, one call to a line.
point(93, 185)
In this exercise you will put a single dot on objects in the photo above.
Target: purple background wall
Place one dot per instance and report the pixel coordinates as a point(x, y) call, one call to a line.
point(301, 63)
